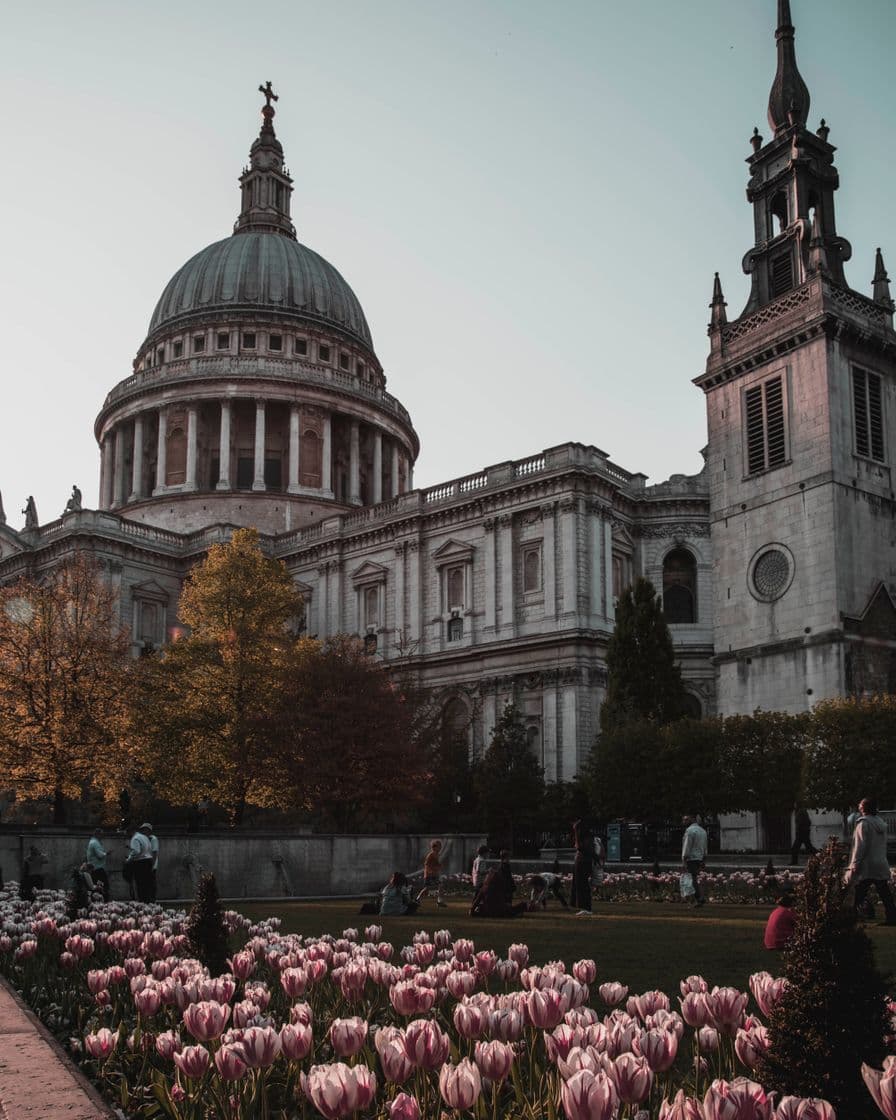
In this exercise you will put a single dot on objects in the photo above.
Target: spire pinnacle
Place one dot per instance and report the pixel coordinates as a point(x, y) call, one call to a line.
point(2, 514)
point(266, 184)
point(881, 282)
point(788, 101)
point(818, 257)
point(718, 305)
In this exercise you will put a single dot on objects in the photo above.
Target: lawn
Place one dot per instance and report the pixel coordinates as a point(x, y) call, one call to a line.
point(643, 945)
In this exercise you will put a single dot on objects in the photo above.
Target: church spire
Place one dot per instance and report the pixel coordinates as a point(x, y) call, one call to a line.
point(266, 185)
point(788, 102)
point(881, 290)
point(718, 305)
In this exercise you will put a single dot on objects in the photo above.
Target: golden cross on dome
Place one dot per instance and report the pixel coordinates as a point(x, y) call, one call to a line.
point(268, 94)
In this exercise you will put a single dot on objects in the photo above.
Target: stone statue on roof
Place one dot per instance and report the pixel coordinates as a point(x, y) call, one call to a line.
point(74, 502)
point(30, 512)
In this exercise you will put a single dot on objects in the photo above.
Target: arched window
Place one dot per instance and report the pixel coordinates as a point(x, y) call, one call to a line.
point(372, 606)
point(680, 587)
point(310, 460)
point(455, 588)
point(176, 457)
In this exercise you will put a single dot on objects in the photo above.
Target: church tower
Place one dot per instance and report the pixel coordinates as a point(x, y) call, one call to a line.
point(801, 406)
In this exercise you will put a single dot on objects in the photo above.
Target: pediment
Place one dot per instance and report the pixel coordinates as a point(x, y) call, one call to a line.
point(149, 590)
point(453, 551)
point(878, 619)
point(11, 544)
point(623, 538)
point(369, 572)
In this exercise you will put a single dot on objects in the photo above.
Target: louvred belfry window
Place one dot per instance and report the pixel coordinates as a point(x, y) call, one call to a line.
point(869, 414)
point(766, 429)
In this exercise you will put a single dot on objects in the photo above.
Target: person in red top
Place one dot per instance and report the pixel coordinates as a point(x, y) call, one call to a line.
point(781, 923)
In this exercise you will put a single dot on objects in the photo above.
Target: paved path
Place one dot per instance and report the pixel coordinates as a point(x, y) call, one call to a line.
point(37, 1079)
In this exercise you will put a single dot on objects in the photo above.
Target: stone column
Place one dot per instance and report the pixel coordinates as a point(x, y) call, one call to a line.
point(377, 466)
point(258, 481)
point(224, 448)
point(548, 562)
point(394, 469)
point(161, 452)
point(106, 473)
point(137, 465)
point(336, 594)
point(354, 464)
point(400, 596)
point(118, 485)
point(322, 597)
point(490, 575)
point(410, 483)
point(326, 466)
point(610, 609)
point(489, 716)
point(567, 763)
point(505, 522)
point(294, 447)
point(549, 730)
point(415, 621)
point(568, 518)
point(192, 437)
point(596, 574)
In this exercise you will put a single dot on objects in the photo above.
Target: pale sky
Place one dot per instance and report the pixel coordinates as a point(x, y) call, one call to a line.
point(528, 198)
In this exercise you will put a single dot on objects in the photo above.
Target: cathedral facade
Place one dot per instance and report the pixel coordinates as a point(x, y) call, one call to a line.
point(258, 399)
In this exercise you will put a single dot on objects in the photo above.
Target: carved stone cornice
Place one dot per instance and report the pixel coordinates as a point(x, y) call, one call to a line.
point(673, 529)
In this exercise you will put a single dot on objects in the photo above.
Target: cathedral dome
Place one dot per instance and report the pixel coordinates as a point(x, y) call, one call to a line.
point(260, 271)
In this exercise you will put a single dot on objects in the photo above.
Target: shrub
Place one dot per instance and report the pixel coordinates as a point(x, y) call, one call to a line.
point(205, 927)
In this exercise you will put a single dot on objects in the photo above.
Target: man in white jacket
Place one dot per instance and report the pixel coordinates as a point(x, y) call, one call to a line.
point(694, 845)
point(868, 860)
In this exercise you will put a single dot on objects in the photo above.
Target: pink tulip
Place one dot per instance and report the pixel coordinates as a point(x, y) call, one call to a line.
point(519, 954)
point(545, 1008)
point(460, 1085)
point(97, 980)
point(505, 1024)
point(424, 954)
point(470, 1019)
point(168, 1044)
point(767, 990)
point(133, 966)
point(740, 1099)
point(425, 1044)
point(695, 1010)
point(242, 965)
point(409, 998)
point(403, 1108)
point(66, 960)
point(337, 1089)
point(245, 1013)
point(259, 1047)
point(633, 1078)
point(882, 1086)
point(659, 1048)
point(148, 1001)
point(589, 1096)
point(192, 1061)
point(494, 1059)
point(347, 1036)
point(397, 1067)
point(613, 993)
point(486, 962)
point(464, 949)
point(229, 1063)
point(708, 1039)
point(217, 988)
point(507, 971)
point(101, 1044)
point(727, 1008)
point(693, 984)
point(301, 1013)
point(206, 1020)
point(295, 1041)
point(561, 1040)
point(750, 1045)
point(804, 1108)
point(585, 971)
point(294, 981)
point(586, 1058)
point(460, 983)
point(682, 1108)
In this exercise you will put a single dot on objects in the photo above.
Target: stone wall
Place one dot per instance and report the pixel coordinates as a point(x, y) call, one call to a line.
point(249, 865)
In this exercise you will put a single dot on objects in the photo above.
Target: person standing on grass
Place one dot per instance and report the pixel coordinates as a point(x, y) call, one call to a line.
point(694, 844)
point(478, 872)
point(802, 833)
point(583, 842)
point(96, 857)
point(868, 866)
point(432, 873)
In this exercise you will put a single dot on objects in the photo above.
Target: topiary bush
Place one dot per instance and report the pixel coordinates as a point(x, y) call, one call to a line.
point(205, 926)
point(832, 1016)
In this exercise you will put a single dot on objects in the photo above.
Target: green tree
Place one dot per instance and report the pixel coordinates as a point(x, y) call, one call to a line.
point(63, 681)
point(850, 751)
point(762, 760)
point(832, 1016)
point(643, 681)
point(625, 774)
point(690, 767)
point(205, 717)
point(508, 779)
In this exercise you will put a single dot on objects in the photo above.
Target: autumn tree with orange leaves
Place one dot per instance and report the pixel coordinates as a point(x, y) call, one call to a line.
point(63, 681)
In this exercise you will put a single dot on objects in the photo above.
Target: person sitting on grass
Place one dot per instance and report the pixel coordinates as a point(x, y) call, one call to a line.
point(396, 898)
point(781, 923)
point(543, 884)
point(493, 900)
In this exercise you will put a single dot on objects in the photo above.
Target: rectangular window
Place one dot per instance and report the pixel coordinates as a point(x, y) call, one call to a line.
point(323, 352)
point(343, 361)
point(273, 474)
point(249, 340)
point(765, 427)
point(198, 343)
point(455, 629)
point(223, 340)
point(532, 568)
point(245, 472)
point(275, 342)
point(177, 349)
point(782, 274)
point(360, 369)
point(301, 346)
point(160, 355)
point(868, 412)
point(454, 587)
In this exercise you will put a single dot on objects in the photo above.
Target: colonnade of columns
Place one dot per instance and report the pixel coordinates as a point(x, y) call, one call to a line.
point(120, 486)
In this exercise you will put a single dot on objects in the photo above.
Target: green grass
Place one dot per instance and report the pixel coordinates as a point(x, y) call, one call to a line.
point(643, 945)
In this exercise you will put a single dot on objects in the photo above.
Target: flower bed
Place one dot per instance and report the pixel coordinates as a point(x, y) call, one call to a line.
point(353, 1026)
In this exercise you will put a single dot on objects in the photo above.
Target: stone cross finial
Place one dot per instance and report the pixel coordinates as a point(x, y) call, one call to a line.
point(269, 94)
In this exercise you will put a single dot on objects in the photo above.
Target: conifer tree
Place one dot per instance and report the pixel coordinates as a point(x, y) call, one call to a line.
point(205, 926)
point(509, 779)
point(832, 1015)
point(643, 680)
